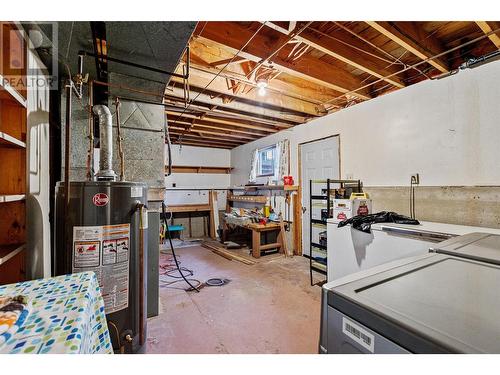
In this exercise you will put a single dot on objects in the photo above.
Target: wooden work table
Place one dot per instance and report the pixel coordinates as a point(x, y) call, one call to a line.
point(257, 229)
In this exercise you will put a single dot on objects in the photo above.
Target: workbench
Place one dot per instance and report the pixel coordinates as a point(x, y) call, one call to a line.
point(257, 246)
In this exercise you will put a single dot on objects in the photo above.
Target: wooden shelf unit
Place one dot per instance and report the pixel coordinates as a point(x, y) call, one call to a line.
point(12, 198)
point(13, 184)
point(9, 141)
point(188, 207)
point(247, 198)
point(201, 169)
point(270, 187)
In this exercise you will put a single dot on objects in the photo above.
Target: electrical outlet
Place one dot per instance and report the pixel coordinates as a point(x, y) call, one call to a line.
point(415, 179)
point(349, 176)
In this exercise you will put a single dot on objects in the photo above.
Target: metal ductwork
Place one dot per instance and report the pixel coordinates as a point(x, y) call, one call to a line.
point(106, 171)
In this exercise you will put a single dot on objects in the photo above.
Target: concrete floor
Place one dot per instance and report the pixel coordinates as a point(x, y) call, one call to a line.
point(268, 307)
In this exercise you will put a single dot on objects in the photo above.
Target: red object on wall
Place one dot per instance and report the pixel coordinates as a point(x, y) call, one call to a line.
point(288, 180)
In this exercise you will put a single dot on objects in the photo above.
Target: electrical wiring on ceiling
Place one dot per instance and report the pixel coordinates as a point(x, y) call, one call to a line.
point(330, 101)
point(217, 75)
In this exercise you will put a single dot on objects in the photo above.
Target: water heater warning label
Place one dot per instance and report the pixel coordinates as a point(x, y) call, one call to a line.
point(105, 250)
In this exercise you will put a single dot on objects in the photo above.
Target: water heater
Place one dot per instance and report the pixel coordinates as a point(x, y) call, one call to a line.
point(102, 227)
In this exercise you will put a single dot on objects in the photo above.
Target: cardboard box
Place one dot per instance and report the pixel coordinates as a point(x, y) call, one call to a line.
point(344, 209)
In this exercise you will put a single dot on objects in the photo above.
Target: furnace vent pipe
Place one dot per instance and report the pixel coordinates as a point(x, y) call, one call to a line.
point(106, 171)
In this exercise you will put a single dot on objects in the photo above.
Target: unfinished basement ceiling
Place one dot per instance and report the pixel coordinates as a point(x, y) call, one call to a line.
point(311, 68)
point(158, 45)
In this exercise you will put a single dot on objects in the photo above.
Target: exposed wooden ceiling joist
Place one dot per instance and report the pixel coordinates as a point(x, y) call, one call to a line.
point(192, 132)
point(277, 115)
point(230, 35)
point(225, 130)
point(227, 125)
point(201, 127)
point(200, 79)
point(221, 129)
point(179, 104)
point(200, 144)
point(232, 60)
point(325, 62)
point(208, 51)
point(411, 38)
point(341, 51)
point(488, 27)
point(197, 138)
point(200, 135)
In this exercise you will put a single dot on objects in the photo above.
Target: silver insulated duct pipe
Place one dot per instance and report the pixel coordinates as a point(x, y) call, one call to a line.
point(106, 171)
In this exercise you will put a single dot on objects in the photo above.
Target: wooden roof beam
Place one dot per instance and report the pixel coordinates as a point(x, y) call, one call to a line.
point(216, 121)
point(200, 79)
point(344, 53)
point(233, 35)
point(195, 138)
point(277, 114)
point(196, 143)
point(232, 60)
point(227, 134)
point(207, 138)
point(222, 130)
point(211, 51)
point(488, 27)
point(230, 113)
point(410, 37)
point(195, 135)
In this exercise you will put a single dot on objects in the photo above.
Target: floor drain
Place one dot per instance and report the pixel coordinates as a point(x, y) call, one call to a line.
point(216, 282)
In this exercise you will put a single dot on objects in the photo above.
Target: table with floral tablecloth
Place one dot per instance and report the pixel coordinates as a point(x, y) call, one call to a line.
point(66, 315)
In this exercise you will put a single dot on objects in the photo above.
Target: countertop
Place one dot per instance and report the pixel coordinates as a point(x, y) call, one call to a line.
point(429, 226)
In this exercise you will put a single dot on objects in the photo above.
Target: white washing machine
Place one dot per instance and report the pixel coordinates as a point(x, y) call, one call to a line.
point(445, 301)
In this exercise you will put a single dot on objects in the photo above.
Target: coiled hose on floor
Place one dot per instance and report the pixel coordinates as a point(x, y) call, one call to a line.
point(172, 248)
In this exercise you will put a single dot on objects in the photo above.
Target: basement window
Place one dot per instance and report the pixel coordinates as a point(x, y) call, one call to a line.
point(266, 161)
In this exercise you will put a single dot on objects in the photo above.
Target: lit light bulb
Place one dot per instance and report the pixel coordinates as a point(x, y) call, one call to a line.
point(262, 84)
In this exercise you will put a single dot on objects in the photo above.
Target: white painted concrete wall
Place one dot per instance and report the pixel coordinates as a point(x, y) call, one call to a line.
point(447, 130)
point(199, 156)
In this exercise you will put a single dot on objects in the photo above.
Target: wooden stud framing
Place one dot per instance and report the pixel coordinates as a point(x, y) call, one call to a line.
point(486, 28)
point(424, 49)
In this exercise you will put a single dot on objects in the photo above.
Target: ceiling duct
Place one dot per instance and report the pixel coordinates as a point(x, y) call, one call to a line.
point(106, 171)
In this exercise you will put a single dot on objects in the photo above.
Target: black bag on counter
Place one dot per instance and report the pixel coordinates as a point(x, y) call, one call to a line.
point(364, 222)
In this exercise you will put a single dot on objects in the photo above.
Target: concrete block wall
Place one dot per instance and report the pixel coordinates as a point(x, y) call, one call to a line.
point(143, 140)
point(463, 205)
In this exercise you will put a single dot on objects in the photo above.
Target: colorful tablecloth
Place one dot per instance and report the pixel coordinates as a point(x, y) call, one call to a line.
point(67, 316)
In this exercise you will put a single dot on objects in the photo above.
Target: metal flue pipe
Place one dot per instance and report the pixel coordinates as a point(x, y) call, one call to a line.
point(106, 171)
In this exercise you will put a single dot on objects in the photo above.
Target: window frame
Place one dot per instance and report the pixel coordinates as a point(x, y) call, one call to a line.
point(259, 150)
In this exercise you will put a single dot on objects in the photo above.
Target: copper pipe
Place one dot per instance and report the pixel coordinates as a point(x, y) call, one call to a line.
point(142, 320)
point(90, 156)
point(100, 83)
point(67, 143)
point(177, 99)
point(119, 140)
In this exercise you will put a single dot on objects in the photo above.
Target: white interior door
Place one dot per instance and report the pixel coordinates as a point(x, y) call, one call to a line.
point(319, 160)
